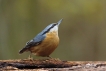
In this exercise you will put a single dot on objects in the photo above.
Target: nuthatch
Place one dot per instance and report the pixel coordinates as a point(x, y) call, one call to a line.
point(45, 42)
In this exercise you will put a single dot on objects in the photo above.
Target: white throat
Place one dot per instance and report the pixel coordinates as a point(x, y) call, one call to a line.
point(55, 28)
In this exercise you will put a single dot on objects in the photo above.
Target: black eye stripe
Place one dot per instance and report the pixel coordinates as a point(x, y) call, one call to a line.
point(49, 29)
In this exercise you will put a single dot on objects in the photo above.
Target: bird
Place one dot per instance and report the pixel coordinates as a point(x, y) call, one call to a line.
point(44, 43)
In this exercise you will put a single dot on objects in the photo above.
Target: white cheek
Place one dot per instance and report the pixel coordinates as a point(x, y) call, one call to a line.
point(54, 29)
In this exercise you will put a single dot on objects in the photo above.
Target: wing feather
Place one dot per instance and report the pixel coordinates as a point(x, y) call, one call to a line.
point(34, 42)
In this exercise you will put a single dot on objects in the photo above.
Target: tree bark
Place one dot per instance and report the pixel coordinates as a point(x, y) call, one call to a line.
point(51, 65)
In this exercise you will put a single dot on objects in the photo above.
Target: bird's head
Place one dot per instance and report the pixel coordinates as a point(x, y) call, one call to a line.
point(52, 27)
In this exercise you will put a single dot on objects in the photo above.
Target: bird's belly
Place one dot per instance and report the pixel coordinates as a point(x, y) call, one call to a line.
point(46, 47)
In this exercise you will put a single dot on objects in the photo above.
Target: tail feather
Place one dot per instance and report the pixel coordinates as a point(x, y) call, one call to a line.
point(23, 50)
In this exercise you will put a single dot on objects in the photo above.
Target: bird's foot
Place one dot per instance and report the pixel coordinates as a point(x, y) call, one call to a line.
point(50, 58)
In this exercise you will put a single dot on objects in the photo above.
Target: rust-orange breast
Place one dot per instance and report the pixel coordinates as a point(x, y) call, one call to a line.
point(48, 45)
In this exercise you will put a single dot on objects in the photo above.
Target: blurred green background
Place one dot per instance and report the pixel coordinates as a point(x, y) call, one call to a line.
point(82, 32)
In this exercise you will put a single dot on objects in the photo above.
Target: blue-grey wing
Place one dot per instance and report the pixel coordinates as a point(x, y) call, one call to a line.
point(34, 42)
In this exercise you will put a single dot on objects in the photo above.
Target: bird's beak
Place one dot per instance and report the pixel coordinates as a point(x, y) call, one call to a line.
point(58, 23)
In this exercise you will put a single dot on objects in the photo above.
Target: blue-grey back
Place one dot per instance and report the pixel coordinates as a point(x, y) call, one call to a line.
point(39, 38)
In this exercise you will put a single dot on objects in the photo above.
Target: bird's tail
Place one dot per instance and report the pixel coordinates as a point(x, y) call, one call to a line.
point(23, 50)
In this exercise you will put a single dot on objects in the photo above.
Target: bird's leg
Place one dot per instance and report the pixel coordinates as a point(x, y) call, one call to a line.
point(49, 57)
point(30, 58)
